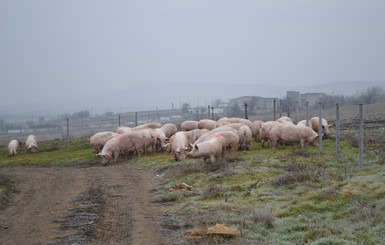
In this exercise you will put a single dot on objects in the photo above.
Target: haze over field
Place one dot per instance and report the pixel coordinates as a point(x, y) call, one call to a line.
point(63, 56)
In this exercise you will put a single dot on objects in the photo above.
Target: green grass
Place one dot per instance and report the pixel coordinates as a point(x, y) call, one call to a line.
point(51, 152)
point(282, 196)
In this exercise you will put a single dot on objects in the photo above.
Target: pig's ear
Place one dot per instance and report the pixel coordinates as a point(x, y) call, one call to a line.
point(177, 150)
point(186, 148)
point(331, 125)
point(196, 147)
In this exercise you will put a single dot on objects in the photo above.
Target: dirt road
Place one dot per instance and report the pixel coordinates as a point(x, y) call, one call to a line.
point(78, 205)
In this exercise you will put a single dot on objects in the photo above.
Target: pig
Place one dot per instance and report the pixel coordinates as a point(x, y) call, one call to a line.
point(285, 120)
point(231, 136)
point(148, 139)
point(225, 120)
point(160, 139)
point(12, 147)
point(292, 133)
point(123, 129)
point(180, 144)
point(98, 140)
point(245, 137)
point(206, 124)
point(195, 134)
point(189, 125)
point(264, 132)
point(235, 126)
point(127, 142)
point(169, 129)
point(314, 124)
point(213, 148)
point(243, 133)
point(150, 125)
point(257, 125)
point(31, 143)
point(303, 123)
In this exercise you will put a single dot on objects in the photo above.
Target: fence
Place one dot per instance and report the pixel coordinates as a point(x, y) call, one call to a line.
point(65, 129)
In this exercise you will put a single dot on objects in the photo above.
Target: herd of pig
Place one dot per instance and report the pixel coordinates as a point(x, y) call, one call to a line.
point(30, 144)
point(207, 139)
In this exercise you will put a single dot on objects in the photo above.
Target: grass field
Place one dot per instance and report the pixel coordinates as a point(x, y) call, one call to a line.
point(282, 196)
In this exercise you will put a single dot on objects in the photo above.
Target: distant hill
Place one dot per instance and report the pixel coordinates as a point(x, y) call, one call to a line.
point(342, 88)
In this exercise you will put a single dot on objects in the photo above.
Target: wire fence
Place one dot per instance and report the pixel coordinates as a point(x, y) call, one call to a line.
point(348, 119)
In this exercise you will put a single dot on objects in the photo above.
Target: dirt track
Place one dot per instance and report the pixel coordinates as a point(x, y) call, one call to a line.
point(78, 205)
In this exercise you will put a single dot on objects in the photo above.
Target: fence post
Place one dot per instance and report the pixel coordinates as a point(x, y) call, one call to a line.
point(320, 126)
point(280, 108)
point(307, 114)
point(338, 130)
point(274, 106)
point(212, 112)
point(68, 133)
point(119, 120)
point(136, 118)
point(208, 112)
point(361, 153)
point(246, 111)
point(296, 111)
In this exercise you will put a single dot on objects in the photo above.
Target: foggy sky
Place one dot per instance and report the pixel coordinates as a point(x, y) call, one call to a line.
point(55, 50)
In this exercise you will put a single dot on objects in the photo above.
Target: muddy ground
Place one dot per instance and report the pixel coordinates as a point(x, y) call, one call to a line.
point(78, 205)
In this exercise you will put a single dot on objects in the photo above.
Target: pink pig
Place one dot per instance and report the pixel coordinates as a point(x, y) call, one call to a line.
point(123, 143)
point(293, 133)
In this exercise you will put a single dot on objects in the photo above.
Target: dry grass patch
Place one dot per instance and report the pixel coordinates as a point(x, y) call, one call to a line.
point(298, 173)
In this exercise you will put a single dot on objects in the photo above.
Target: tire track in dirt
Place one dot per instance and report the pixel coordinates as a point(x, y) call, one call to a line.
point(46, 196)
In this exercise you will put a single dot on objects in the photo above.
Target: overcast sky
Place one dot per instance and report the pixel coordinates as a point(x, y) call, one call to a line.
point(54, 48)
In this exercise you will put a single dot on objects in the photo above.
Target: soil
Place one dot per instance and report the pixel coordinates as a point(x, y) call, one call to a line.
point(78, 204)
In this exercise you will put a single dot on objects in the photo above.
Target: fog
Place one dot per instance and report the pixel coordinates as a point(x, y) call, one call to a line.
point(71, 55)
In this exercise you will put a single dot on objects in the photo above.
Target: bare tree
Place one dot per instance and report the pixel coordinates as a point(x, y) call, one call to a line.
point(372, 95)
